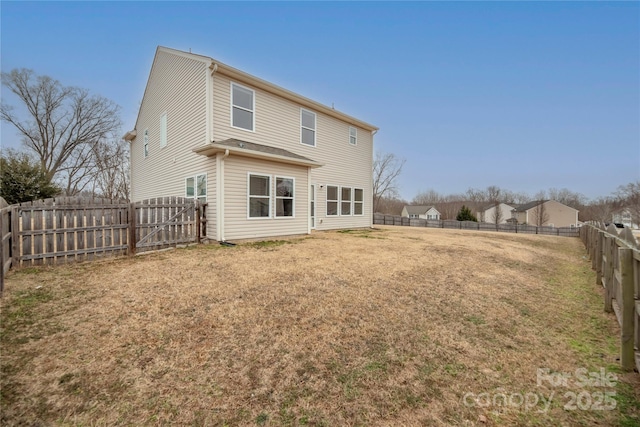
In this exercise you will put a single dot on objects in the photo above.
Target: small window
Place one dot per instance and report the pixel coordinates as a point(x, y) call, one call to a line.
point(345, 201)
point(332, 200)
point(358, 201)
point(242, 107)
point(163, 130)
point(190, 192)
point(308, 127)
point(259, 196)
point(201, 188)
point(353, 135)
point(284, 197)
point(196, 188)
point(145, 143)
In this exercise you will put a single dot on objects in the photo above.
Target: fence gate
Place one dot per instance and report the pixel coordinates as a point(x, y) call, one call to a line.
point(164, 222)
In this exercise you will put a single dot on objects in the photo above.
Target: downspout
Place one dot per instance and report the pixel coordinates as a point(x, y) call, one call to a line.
point(220, 195)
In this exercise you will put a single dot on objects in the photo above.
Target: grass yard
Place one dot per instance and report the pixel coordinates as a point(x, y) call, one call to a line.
point(391, 326)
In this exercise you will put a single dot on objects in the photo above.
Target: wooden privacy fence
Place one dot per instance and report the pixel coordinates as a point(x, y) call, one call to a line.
point(65, 229)
point(616, 259)
point(472, 225)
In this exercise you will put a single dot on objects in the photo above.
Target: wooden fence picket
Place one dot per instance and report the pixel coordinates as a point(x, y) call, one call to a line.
point(64, 229)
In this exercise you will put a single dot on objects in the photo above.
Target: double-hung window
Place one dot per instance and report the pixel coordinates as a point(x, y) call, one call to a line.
point(284, 197)
point(353, 135)
point(345, 201)
point(259, 196)
point(358, 201)
point(196, 187)
point(332, 200)
point(308, 127)
point(242, 107)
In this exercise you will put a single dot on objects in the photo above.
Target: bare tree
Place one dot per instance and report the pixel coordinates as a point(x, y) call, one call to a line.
point(427, 198)
point(568, 197)
point(497, 216)
point(629, 197)
point(540, 214)
point(112, 170)
point(600, 209)
point(391, 205)
point(62, 125)
point(386, 169)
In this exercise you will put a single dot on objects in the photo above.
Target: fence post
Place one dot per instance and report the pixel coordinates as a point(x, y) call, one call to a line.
point(132, 229)
point(627, 353)
point(196, 211)
point(15, 237)
point(608, 266)
point(598, 256)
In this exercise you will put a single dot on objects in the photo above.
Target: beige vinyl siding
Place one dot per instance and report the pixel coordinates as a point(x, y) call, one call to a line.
point(236, 223)
point(558, 214)
point(177, 86)
point(277, 123)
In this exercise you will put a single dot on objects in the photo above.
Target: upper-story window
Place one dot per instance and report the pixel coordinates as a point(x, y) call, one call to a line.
point(353, 135)
point(145, 143)
point(163, 130)
point(308, 127)
point(242, 107)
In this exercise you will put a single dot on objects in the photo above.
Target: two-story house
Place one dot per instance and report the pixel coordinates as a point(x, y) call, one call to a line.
point(266, 160)
point(495, 213)
point(548, 213)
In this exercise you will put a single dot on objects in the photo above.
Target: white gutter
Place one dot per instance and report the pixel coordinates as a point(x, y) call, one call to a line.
point(220, 195)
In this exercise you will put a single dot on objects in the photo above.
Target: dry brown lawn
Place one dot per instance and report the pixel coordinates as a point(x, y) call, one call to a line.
point(392, 326)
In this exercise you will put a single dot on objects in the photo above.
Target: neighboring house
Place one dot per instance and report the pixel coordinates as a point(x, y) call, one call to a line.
point(423, 212)
point(547, 213)
point(267, 161)
point(488, 213)
point(623, 216)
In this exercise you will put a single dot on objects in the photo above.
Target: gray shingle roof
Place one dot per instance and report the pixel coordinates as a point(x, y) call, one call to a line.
point(417, 210)
point(236, 143)
point(527, 206)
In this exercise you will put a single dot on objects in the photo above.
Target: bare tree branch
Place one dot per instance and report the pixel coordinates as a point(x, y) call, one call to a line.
point(62, 125)
point(386, 169)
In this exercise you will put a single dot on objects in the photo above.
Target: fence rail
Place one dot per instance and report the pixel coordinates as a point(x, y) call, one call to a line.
point(616, 259)
point(472, 225)
point(66, 229)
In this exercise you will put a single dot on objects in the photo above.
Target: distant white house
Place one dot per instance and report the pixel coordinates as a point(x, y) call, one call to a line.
point(500, 212)
point(623, 216)
point(422, 212)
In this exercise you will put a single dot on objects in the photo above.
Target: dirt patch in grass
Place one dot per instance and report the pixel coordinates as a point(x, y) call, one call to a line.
point(406, 326)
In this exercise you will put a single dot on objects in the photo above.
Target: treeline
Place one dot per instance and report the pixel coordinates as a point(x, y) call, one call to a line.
point(599, 209)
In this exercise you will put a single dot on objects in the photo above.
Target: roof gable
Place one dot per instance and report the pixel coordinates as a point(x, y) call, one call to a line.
point(219, 67)
point(418, 210)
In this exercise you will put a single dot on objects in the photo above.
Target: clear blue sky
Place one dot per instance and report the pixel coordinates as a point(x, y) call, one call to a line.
point(526, 96)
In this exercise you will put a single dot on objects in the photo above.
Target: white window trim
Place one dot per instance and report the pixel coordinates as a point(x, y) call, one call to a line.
point(350, 202)
point(353, 207)
point(145, 143)
point(275, 197)
point(271, 180)
point(253, 111)
point(163, 130)
point(195, 186)
point(327, 200)
point(355, 136)
point(315, 130)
